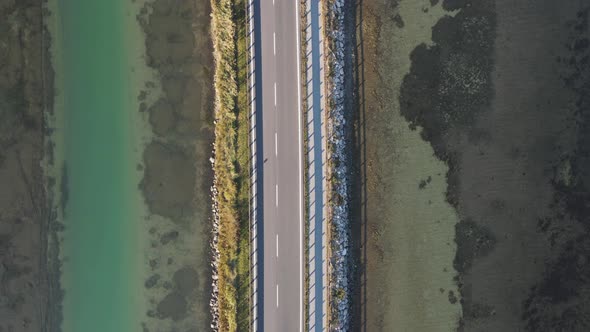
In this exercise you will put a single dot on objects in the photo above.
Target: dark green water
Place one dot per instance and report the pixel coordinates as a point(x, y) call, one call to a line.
point(100, 241)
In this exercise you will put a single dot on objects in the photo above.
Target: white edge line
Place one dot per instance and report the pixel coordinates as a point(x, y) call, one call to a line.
point(300, 170)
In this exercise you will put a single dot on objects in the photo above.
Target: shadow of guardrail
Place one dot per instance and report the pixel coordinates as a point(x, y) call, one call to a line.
point(256, 224)
point(315, 152)
point(359, 166)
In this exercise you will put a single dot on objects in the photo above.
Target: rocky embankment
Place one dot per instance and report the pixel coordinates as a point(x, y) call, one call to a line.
point(340, 245)
point(214, 301)
point(223, 302)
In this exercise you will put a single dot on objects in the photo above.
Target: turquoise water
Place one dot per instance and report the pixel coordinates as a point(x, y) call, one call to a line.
point(100, 242)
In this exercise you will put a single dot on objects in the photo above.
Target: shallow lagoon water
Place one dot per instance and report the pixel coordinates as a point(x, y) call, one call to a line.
point(473, 214)
point(126, 253)
point(101, 214)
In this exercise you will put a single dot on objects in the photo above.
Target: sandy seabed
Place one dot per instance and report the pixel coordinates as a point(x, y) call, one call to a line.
point(177, 175)
point(175, 102)
point(473, 161)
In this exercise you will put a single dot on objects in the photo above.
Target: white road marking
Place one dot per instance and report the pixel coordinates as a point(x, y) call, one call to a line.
point(276, 145)
point(297, 42)
point(277, 295)
point(274, 42)
point(277, 245)
point(275, 93)
point(277, 194)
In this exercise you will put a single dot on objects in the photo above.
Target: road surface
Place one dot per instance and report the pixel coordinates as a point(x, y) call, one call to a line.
point(279, 226)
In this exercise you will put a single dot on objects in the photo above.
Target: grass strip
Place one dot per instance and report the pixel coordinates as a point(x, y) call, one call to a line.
point(231, 161)
point(243, 165)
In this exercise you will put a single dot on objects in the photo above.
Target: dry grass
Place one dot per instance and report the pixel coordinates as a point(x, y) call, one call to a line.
point(231, 165)
point(223, 32)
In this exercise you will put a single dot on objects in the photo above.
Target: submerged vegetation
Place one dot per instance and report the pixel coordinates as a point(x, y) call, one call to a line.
point(230, 305)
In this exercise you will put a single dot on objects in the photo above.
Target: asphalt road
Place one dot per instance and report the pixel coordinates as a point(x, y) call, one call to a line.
point(279, 166)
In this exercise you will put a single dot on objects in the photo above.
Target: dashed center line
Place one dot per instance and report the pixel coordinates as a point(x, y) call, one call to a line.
point(276, 145)
point(275, 93)
point(277, 194)
point(277, 245)
point(274, 43)
point(277, 295)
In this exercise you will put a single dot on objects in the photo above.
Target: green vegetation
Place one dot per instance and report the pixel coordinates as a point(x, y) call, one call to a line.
point(232, 157)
